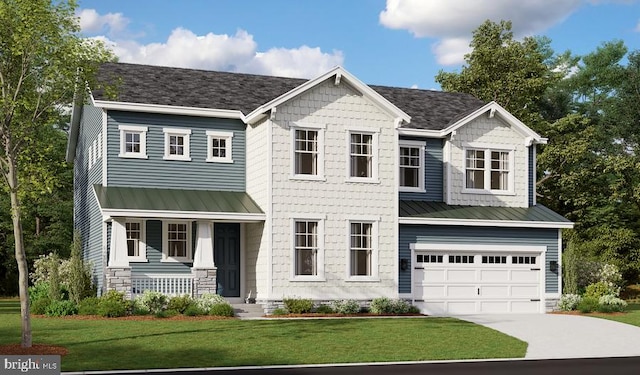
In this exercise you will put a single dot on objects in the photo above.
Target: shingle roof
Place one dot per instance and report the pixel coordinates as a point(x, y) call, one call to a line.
point(433, 110)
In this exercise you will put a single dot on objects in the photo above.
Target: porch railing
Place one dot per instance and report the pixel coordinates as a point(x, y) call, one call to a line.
point(172, 285)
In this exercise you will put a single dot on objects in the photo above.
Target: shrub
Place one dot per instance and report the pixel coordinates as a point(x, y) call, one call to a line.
point(194, 310)
point(298, 305)
point(382, 305)
point(346, 306)
point(208, 300)
point(413, 310)
point(61, 308)
point(588, 304)
point(611, 276)
point(279, 311)
point(324, 309)
point(180, 303)
point(221, 309)
point(39, 306)
point(599, 289)
point(611, 303)
point(154, 302)
point(88, 306)
point(77, 275)
point(166, 313)
point(569, 302)
point(112, 304)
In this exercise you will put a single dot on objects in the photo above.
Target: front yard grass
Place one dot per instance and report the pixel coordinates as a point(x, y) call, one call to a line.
point(632, 315)
point(109, 344)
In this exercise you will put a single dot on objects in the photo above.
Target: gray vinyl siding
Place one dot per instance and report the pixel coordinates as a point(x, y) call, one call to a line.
point(155, 172)
point(433, 174)
point(87, 217)
point(532, 175)
point(482, 236)
point(153, 231)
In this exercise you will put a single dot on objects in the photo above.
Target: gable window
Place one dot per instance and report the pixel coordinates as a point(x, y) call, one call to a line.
point(488, 170)
point(136, 249)
point(133, 141)
point(307, 151)
point(176, 144)
point(363, 156)
point(176, 242)
point(411, 166)
point(219, 146)
point(363, 242)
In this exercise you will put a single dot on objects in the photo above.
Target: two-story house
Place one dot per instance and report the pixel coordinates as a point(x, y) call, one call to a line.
point(190, 181)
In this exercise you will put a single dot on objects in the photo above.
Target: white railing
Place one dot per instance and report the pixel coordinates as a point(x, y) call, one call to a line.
point(171, 285)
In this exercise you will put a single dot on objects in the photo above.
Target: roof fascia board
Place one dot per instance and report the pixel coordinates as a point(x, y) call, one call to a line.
point(487, 223)
point(171, 110)
point(510, 119)
point(421, 133)
point(229, 216)
point(378, 99)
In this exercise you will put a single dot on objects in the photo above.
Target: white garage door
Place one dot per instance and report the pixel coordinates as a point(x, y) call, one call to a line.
point(451, 283)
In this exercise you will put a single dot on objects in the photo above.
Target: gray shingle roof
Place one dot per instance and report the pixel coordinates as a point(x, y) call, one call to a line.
point(433, 110)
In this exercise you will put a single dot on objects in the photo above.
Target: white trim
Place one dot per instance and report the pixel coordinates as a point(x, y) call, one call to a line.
point(108, 213)
point(375, 244)
point(105, 145)
point(396, 208)
point(165, 243)
point(478, 248)
point(486, 223)
point(142, 131)
point(185, 133)
point(169, 109)
point(320, 255)
point(420, 145)
point(243, 261)
point(375, 152)
point(421, 133)
point(446, 159)
point(488, 149)
point(142, 242)
point(228, 137)
point(269, 214)
point(559, 262)
point(320, 128)
point(535, 174)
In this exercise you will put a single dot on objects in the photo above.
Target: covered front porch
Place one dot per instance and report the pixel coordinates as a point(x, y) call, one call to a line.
point(177, 241)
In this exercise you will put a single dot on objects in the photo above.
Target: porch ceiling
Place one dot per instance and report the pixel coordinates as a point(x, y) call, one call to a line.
point(176, 203)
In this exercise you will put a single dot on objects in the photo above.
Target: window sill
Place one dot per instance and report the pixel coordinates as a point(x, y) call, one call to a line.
point(307, 279)
point(177, 158)
point(362, 180)
point(225, 161)
point(176, 260)
point(133, 156)
point(488, 192)
point(351, 279)
point(138, 260)
point(405, 189)
point(307, 177)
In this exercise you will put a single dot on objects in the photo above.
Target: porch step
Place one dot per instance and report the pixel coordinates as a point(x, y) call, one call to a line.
point(248, 310)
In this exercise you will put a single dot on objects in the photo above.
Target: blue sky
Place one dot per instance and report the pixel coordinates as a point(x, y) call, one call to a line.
point(400, 43)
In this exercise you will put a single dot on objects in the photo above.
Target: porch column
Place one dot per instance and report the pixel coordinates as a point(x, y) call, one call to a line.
point(118, 269)
point(204, 269)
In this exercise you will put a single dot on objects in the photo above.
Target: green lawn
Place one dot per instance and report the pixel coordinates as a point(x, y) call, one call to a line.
point(125, 344)
point(631, 317)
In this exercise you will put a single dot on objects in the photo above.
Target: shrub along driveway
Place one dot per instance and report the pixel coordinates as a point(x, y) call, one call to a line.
point(566, 336)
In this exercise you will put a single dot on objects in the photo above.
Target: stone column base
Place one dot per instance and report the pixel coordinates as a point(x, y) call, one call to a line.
point(119, 279)
point(204, 281)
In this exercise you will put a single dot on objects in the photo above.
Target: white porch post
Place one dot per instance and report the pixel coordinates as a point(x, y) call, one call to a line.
point(204, 269)
point(118, 269)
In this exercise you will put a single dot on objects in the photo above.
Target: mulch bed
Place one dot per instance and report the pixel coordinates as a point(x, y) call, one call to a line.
point(359, 315)
point(35, 349)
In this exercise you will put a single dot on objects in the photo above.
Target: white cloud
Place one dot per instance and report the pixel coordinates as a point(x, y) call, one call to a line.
point(92, 22)
point(452, 22)
point(235, 53)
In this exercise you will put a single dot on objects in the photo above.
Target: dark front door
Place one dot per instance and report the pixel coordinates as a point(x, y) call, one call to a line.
point(226, 250)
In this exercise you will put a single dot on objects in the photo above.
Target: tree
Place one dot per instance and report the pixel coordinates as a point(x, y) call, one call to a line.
point(512, 73)
point(42, 57)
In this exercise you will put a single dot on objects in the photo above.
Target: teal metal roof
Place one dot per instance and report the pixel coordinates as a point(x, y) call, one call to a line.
point(438, 212)
point(116, 201)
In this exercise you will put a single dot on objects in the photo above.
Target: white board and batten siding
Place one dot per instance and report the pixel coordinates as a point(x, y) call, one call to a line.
point(451, 279)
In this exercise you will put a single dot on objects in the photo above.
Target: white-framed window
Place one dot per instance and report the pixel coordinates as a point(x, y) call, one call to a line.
point(411, 166)
point(362, 155)
point(176, 241)
point(308, 249)
point(136, 247)
point(176, 144)
point(307, 151)
point(133, 141)
point(219, 146)
point(363, 250)
point(488, 170)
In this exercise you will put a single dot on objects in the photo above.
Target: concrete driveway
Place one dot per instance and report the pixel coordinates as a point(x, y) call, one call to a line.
point(565, 336)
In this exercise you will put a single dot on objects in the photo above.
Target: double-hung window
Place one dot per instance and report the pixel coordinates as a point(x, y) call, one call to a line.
point(219, 146)
point(136, 248)
point(363, 156)
point(133, 141)
point(307, 144)
point(176, 144)
point(176, 242)
point(411, 166)
point(363, 243)
point(308, 248)
point(488, 170)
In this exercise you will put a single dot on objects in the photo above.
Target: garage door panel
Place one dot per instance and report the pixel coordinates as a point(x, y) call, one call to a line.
point(461, 275)
point(435, 275)
point(461, 291)
point(494, 275)
point(461, 307)
point(525, 276)
point(494, 291)
point(494, 307)
point(433, 291)
point(525, 291)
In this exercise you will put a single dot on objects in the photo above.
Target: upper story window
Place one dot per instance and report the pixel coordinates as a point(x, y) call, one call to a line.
point(308, 151)
point(136, 248)
point(363, 156)
point(176, 144)
point(488, 170)
point(411, 166)
point(176, 242)
point(133, 141)
point(219, 146)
